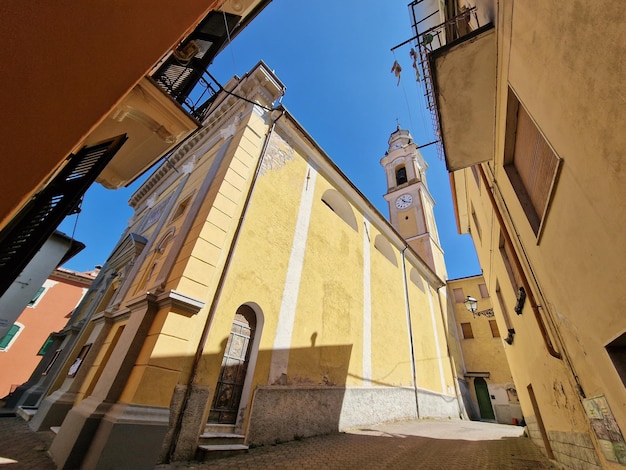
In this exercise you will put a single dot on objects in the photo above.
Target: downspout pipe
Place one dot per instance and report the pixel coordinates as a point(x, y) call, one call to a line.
point(408, 316)
point(455, 378)
point(220, 287)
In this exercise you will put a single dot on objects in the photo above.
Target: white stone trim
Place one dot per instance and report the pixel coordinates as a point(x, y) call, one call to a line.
point(287, 313)
point(436, 336)
point(367, 306)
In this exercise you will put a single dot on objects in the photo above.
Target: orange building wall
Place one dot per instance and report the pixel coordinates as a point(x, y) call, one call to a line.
point(50, 314)
point(65, 66)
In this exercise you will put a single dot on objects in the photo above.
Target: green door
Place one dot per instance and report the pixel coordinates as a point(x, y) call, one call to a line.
point(484, 400)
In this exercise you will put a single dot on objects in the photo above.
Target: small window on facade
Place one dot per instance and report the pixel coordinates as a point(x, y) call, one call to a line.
point(467, 330)
point(476, 224)
point(476, 175)
point(459, 297)
point(401, 177)
point(52, 361)
point(36, 297)
point(484, 294)
point(79, 360)
point(9, 338)
point(45, 346)
point(180, 210)
point(617, 353)
point(508, 256)
point(530, 163)
point(505, 312)
point(494, 329)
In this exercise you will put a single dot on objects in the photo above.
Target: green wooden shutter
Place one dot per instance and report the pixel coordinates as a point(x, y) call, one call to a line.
point(6, 339)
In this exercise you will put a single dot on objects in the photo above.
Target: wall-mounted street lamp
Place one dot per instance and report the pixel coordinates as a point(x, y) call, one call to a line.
point(471, 304)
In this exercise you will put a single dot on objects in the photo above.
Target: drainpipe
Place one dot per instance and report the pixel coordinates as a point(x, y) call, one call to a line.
point(452, 368)
point(408, 316)
point(220, 286)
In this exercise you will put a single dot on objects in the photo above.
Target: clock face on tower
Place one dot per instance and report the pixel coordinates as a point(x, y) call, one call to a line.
point(404, 201)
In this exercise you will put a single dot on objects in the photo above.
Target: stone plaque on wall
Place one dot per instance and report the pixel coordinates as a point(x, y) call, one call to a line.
point(606, 429)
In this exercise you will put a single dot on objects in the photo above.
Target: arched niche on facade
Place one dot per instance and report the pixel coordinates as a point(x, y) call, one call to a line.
point(338, 204)
point(416, 279)
point(385, 248)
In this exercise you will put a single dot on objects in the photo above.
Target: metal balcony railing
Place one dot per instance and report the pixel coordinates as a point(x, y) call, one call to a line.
point(183, 74)
point(431, 40)
point(193, 88)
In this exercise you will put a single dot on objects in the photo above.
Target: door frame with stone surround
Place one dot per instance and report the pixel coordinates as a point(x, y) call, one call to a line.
point(253, 313)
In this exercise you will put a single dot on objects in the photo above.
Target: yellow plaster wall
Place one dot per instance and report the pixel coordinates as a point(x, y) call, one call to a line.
point(171, 342)
point(391, 357)
point(483, 353)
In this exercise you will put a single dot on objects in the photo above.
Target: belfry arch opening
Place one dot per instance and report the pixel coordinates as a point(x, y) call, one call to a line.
point(401, 176)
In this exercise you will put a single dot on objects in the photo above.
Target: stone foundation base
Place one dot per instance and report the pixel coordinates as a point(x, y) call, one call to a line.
point(284, 413)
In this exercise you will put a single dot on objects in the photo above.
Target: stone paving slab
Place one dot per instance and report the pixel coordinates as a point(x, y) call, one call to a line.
point(22, 448)
point(448, 445)
point(425, 445)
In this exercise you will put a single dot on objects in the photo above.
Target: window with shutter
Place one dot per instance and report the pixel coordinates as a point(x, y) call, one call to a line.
point(9, 338)
point(530, 163)
point(37, 296)
point(467, 330)
point(459, 297)
point(494, 329)
point(484, 293)
point(45, 346)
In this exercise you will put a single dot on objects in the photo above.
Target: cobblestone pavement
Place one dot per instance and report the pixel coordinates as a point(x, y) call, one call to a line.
point(424, 444)
point(440, 445)
point(21, 448)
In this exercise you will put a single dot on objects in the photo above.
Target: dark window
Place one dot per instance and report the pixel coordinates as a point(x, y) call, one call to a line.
point(401, 175)
point(467, 330)
point(484, 293)
point(617, 353)
point(530, 163)
point(476, 224)
point(476, 175)
point(494, 329)
point(180, 210)
point(507, 256)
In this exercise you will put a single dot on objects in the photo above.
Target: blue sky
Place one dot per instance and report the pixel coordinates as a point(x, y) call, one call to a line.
point(334, 58)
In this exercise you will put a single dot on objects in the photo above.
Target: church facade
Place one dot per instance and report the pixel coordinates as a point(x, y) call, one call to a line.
point(268, 299)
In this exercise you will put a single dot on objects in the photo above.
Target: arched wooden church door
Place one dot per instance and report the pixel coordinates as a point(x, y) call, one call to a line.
point(227, 397)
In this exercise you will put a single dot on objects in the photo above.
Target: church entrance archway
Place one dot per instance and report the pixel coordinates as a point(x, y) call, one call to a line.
point(484, 400)
point(233, 373)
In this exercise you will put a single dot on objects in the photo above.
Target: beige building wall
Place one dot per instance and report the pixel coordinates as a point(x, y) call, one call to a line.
point(567, 354)
point(483, 339)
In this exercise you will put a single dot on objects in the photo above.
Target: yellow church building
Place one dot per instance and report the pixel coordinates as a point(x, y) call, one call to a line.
point(257, 296)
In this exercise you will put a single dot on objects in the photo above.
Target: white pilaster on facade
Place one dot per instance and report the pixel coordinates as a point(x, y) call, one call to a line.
point(367, 306)
point(436, 336)
point(287, 314)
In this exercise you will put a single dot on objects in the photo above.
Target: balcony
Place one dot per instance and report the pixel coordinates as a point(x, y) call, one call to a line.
point(458, 62)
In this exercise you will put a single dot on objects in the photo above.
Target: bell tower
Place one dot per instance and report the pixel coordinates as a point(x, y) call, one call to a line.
point(410, 203)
